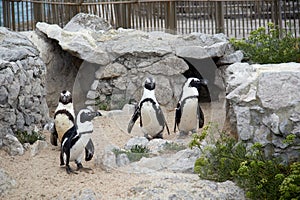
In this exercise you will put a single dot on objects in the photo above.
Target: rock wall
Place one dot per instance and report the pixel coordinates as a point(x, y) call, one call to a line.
point(264, 106)
point(23, 104)
point(62, 67)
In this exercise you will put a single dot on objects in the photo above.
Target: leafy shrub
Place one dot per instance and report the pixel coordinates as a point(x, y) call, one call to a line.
point(135, 153)
point(25, 137)
point(268, 46)
point(261, 178)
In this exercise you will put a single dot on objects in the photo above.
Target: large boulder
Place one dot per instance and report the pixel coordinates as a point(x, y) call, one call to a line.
point(264, 102)
point(23, 93)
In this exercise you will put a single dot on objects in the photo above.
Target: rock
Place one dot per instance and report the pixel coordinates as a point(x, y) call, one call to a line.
point(125, 57)
point(166, 186)
point(140, 141)
point(279, 85)
point(36, 147)
point(62, 67)
point(122, 160)
point(89, 22)
point(235, 57)
point(264, 105)
point(180, 162)
point(12, 145)
point(108, 160)
point(6, 183)
point(156, 145)
point(23, 89)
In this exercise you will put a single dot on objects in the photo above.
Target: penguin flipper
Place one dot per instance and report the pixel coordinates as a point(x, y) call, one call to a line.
point(89, 150)
point(200, 116)
point(165, 122)
point(133, 119)
point(53, 136)
point(177, 116)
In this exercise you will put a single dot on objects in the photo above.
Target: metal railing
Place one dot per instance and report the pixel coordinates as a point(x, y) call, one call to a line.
point(234, 18)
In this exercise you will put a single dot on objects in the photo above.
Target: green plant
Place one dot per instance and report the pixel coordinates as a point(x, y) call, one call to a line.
point(135, 153)
point(290, 186)
point(103, 105)
point(262, 178)
point(269, 45)
point(173, 147)
point(218, 161)
point(25, 137)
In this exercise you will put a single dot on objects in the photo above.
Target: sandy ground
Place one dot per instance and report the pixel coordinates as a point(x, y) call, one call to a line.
point(41, 177)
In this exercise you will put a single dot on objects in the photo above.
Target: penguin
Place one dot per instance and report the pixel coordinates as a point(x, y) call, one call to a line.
point(152, 120)
point(77, 141)
point(188, 113)
point(64, 117)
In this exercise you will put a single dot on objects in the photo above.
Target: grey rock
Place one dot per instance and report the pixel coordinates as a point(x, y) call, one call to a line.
point(156, 145)
point(108, 160)
point(112, 70)
point(122, 160)
point(23, 89)
point(279, 86)
point(180, 162)
point(272, 122)
point(140, 141)
point(83, 21)
point(6, 183)
point(37, 147)
point(235, 57)
point(264, 104)
point(165, 186)
point(12, 145)
point(243, 122)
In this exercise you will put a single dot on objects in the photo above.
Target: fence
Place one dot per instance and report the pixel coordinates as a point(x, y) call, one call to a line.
point(234, 18)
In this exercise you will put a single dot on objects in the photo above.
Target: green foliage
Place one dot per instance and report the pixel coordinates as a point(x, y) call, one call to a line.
point(135, 153)
point(173, 147)
point(290, 186)
point(269, 45)
point(103, 105)
point(261, 178)
point(289, 139)
point(25, 137)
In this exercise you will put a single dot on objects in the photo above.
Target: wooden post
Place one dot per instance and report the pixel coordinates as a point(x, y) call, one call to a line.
point(220, 17)
point(276, 13)
point(5, 7)
point(170, 17)
point(37, 12)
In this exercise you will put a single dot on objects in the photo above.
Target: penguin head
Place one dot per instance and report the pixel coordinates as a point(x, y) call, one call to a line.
point(149, 83)
point(195, 82)
point(65, 97)
point(86, 115)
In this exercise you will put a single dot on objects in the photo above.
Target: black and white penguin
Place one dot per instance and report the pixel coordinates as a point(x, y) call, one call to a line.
point(77, 141)
point(152, 120)
point(188, 114)
point(64, 117)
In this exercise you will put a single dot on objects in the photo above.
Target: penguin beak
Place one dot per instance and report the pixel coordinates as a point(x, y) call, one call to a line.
point(203, 81)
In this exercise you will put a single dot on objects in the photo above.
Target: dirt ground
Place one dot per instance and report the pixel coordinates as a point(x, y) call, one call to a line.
point(41, 177)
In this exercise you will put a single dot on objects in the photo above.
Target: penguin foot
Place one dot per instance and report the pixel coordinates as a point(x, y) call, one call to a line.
point(81, 168)
point(70, 170)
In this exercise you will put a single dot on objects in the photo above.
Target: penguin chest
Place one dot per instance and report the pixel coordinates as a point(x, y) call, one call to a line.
point(150, 122)
point(77, 150)
point(62, 124)
point(189, 117)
